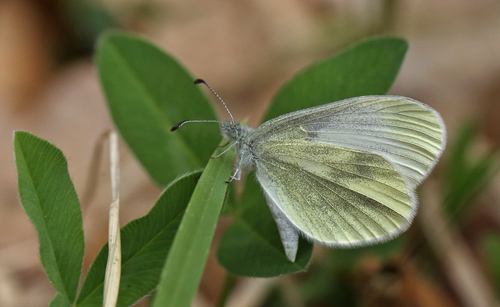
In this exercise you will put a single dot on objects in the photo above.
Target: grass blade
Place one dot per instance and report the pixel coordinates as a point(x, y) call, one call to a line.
point(185, 263)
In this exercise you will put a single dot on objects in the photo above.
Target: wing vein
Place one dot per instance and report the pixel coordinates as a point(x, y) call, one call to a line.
point(338, 213)
point(353, 206)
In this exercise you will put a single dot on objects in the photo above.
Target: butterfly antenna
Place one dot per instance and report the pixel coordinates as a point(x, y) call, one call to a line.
point(198, 81)
point(193, 121)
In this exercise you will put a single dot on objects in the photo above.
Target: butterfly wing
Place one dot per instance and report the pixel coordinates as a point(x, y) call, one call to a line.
point(335, 195)
point(408, 133)
point(344, 174)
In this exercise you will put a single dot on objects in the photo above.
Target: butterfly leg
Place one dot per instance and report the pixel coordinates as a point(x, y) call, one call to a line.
point(225, 150)
point(237, 173)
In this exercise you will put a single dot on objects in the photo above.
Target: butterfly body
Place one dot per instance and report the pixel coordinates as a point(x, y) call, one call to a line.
point(241, 136)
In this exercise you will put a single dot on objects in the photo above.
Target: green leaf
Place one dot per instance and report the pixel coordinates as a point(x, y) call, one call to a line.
point(145, 244)
point(252, 247)
point(185, 263)
point(49, 199)
point(59, 300)
point(148, 92)
point(367, 68)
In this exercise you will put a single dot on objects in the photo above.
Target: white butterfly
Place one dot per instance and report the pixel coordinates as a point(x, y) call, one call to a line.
point(343, 174)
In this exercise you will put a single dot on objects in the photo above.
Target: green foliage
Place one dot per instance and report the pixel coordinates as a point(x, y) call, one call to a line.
point(329, 282)
point(467, 174)
point(86, 19)
point(146, 242)
point(490, 246)
point(148, 92)
point(59, 300)
point(49, 199)
point(186, 261)
point(366, 68)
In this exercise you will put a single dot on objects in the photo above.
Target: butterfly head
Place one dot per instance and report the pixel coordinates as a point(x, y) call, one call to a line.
point(235, 131)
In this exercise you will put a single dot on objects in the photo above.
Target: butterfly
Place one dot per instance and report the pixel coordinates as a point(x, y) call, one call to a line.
point(342, 174)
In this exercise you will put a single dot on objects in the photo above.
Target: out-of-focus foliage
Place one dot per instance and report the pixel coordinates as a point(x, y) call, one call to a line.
point(468, 173)
point(490, 246)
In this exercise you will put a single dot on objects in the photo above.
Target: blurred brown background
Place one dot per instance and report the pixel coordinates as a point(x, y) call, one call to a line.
point(246, 50)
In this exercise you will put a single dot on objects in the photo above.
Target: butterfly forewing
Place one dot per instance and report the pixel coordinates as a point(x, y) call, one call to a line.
point(406, 132)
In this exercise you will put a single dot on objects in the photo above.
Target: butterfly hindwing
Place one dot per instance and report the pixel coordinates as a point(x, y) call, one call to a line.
point(336, 196)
